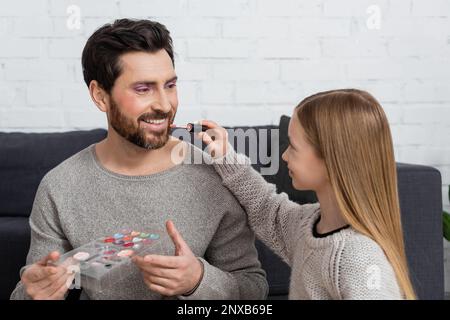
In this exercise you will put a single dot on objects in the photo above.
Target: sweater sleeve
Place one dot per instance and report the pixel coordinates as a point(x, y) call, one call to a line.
point(231, 266)
point(364, 273)
point(46, 233)
point(273, 217)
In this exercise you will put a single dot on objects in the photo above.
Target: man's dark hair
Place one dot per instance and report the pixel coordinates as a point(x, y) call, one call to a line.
point(101, 54)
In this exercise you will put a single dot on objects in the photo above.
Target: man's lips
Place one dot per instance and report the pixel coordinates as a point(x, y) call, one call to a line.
point(156, 125)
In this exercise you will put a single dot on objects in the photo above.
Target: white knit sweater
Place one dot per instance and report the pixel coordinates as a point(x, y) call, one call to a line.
point(343, 265)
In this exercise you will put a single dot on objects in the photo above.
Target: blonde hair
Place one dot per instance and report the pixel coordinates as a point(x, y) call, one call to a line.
point(350, 131)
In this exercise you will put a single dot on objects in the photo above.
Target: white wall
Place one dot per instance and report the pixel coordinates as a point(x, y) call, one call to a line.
point(244, 62)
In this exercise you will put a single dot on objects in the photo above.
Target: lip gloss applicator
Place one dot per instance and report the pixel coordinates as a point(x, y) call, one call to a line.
point(192, 127)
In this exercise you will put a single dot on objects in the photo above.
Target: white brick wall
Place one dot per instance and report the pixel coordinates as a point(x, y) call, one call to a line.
point(252, 58)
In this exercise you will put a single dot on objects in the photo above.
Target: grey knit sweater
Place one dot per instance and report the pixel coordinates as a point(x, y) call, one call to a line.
point(344, 265)
point(80, 200)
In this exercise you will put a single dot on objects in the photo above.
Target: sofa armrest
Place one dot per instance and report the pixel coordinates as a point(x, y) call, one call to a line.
point(421, 207)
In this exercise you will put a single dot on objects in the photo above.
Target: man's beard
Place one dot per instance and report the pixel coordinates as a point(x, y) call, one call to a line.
point(131, 131)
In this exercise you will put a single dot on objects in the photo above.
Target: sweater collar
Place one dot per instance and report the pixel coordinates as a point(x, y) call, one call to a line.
point(327, 241)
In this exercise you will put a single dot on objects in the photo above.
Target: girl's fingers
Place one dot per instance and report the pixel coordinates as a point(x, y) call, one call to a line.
point(205, 137)
point(208, 123)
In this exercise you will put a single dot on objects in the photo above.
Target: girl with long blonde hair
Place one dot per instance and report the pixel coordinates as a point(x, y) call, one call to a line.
point(350, 244)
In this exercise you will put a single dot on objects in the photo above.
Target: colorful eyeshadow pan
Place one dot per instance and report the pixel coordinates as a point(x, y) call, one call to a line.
point(102, 256)
point(81, 256)
point(125, 253)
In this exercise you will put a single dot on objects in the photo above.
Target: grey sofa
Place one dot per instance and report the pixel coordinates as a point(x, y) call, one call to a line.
point(26, 157)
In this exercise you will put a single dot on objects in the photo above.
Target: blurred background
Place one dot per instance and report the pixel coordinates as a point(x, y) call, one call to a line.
point(244, 62)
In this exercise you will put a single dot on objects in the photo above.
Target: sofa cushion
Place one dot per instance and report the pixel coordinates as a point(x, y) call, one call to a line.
point(419, 189)
point(26, 157)
point(15, 240)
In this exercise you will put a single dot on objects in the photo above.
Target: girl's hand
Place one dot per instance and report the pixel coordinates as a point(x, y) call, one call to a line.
point(216, 138)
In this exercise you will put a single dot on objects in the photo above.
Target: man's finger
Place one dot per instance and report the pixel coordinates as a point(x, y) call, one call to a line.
point(52, 256)
point(157, 261)
point(69, 262)
point(138, 260)
point(159, 289)
point(59, 294)
point(180, 245)
point(163, 282)
point(165, 273)
point(141, 263)
point(47, 281)
point(37, 273)
point(62, 288)
point(55, 285)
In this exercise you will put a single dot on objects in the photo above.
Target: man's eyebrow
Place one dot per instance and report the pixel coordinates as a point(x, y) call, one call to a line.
point(154, 82)
point(172, 79)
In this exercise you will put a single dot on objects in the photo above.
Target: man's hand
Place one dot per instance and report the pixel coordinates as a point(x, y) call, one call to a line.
point(171, 275)
point(46, 282)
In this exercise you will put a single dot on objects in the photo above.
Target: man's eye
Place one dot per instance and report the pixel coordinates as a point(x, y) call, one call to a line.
point(171, 85)
point(142, 89)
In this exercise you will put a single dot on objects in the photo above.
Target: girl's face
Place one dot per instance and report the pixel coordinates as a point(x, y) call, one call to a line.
point(307, 170)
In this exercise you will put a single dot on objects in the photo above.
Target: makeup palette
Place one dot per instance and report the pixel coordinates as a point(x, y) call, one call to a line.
point(104, 261)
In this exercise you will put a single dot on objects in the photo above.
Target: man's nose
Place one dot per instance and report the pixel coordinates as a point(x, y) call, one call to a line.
point(163, 103)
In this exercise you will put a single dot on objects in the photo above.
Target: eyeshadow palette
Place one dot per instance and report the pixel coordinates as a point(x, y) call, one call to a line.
point(104, 261)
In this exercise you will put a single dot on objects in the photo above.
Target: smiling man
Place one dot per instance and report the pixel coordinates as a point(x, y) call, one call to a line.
point(131, 179)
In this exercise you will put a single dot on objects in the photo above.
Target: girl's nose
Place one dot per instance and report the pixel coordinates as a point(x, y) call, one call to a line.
point(284, 156)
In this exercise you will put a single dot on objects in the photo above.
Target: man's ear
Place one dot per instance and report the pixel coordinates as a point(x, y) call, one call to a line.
point(99, 96)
